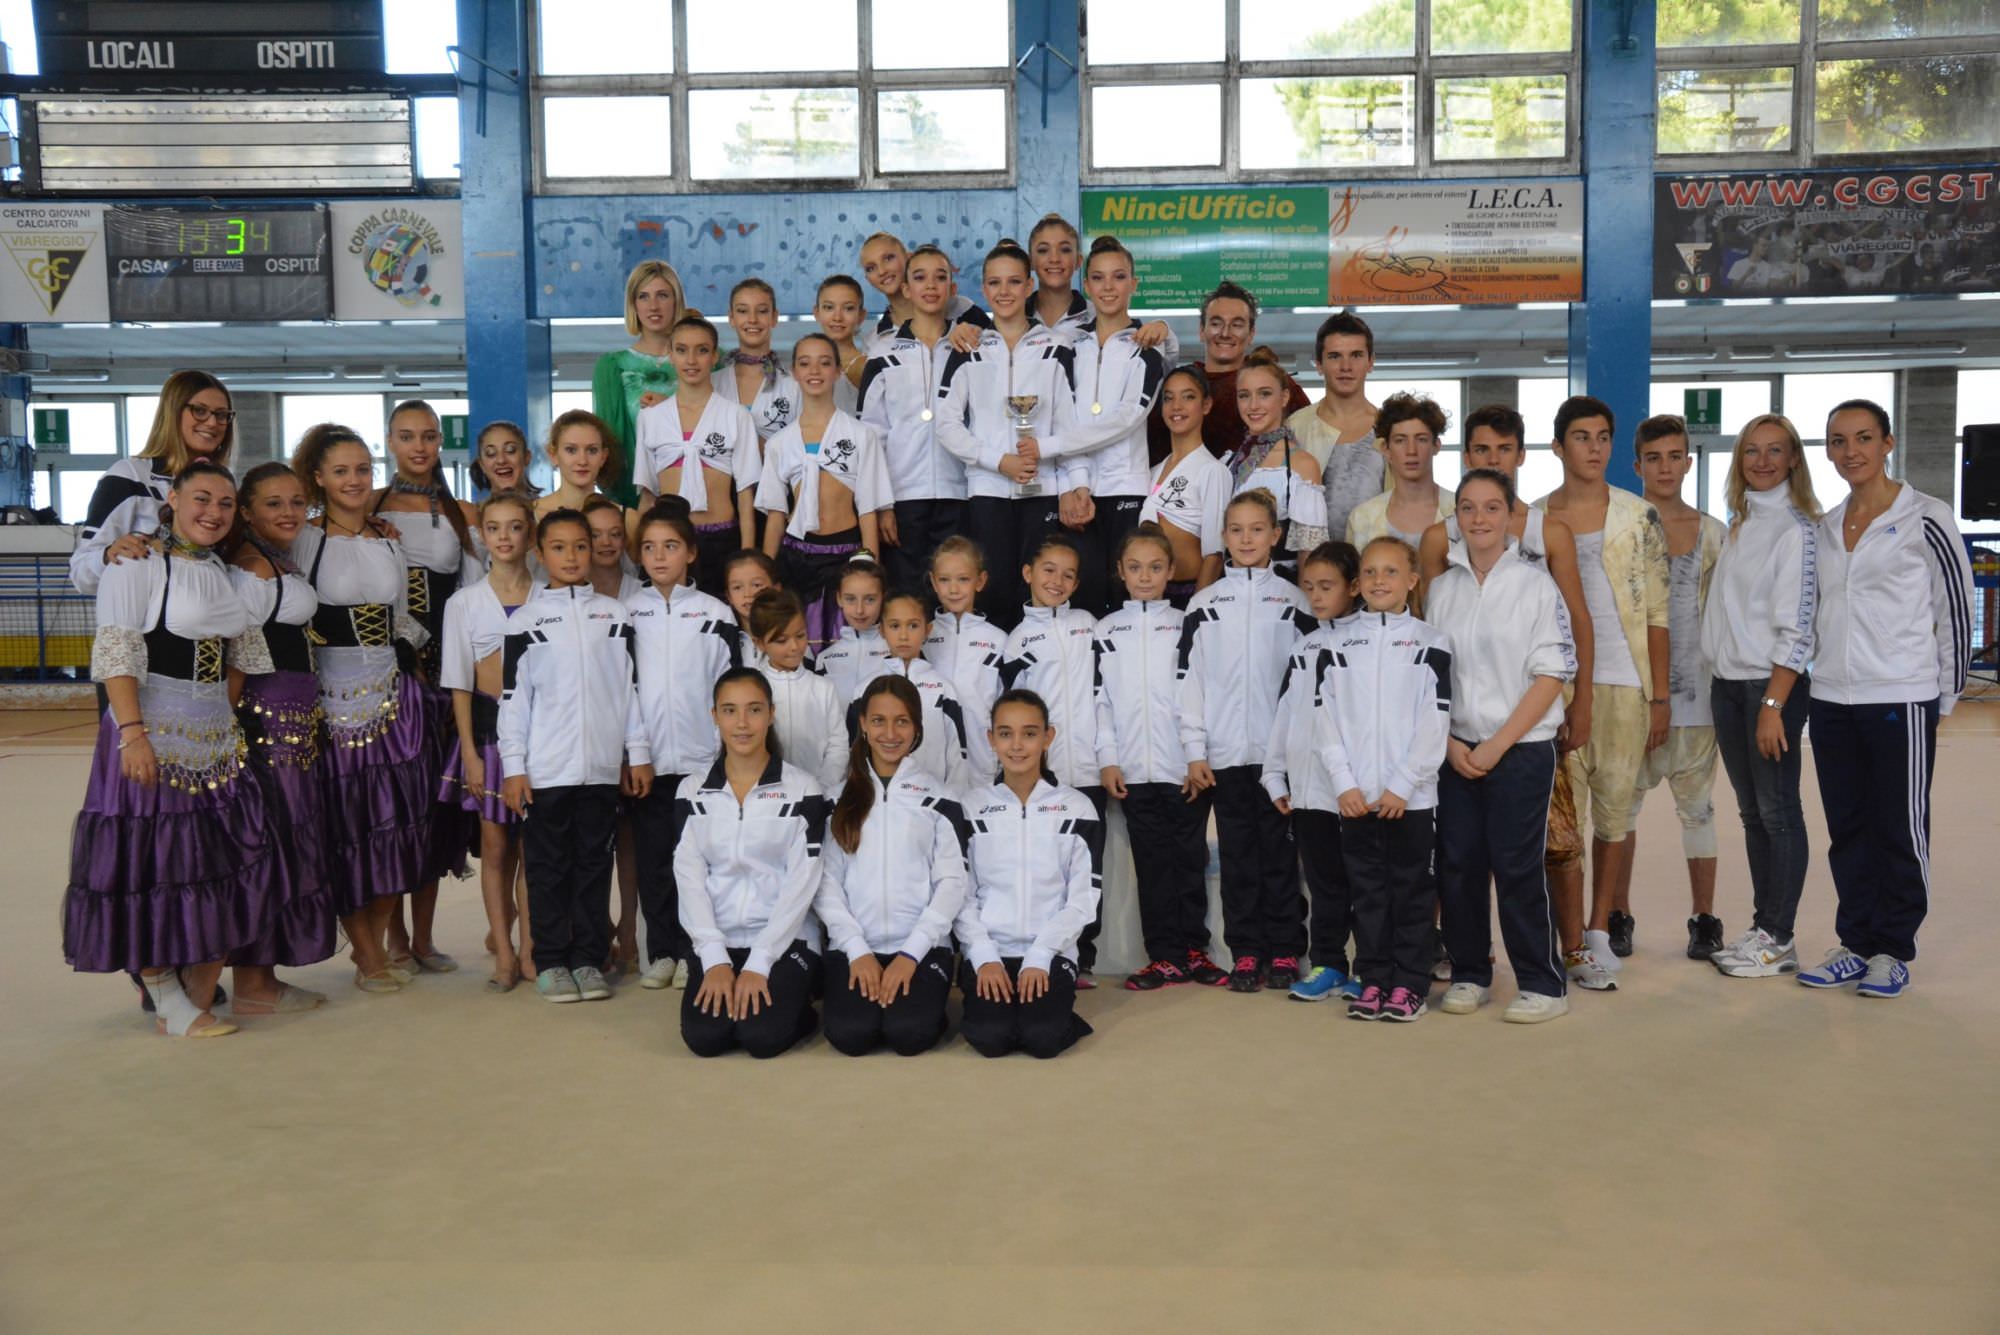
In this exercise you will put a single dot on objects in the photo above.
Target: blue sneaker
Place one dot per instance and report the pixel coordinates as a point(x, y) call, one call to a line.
point(1322, 983)
point(1887, 977)
point(1840, 967)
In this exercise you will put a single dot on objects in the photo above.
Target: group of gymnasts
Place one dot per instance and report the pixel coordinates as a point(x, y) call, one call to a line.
point(833, 665)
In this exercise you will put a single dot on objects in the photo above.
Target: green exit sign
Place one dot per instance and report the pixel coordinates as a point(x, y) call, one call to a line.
point(457, 431)
point(52, 430)
point(1703, 409)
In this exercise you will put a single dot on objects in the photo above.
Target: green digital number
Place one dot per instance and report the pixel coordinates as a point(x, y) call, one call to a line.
point(236, 237)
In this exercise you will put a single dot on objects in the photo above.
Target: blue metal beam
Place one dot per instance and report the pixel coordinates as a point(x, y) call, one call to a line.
point(1611, 333)
point(17, 456)
point(507, 353)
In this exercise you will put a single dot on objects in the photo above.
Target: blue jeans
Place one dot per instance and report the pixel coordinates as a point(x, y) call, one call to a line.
point(1767, 796)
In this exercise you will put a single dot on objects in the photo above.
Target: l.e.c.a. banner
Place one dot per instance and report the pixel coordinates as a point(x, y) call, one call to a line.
point(1887, 231)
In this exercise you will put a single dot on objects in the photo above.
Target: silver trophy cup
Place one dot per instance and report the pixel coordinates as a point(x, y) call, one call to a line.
point(1023, 408)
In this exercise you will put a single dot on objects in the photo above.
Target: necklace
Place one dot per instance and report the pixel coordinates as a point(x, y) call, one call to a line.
point(356, 531)
point(176, 545)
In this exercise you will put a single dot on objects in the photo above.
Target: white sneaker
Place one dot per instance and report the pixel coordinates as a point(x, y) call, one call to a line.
point(1533, 1008)
point(1599, 944)
point(1735, 949)
point(1465, 998)
point(659, 974)
point(1759, 955)
point(1586, 971)
point(681, 974)
point(591, 984)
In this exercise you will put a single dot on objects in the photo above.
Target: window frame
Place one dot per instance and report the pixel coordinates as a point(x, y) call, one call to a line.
point(865, 79)
point(1804, 58)
point(1420, 66)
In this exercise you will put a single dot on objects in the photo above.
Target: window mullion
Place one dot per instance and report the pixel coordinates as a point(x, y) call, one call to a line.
point(1232, 89)
point(677, 90)
point(1423, 93)
point(867, 159)
point(1805, 87)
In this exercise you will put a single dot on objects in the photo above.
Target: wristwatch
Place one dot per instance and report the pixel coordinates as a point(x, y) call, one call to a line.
point(1769, 703)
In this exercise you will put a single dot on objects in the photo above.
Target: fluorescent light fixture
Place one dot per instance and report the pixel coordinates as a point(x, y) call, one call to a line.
point(1894, 350)
point(1418, 363)
point(1703, 355)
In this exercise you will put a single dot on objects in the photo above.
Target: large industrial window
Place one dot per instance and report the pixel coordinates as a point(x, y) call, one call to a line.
point(1235, 88)
point(638, 95)
point(1761, 82)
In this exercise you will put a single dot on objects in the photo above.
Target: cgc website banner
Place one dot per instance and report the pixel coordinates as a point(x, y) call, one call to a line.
point(1492, 243)
point(1889, 231)
point(1185, 242)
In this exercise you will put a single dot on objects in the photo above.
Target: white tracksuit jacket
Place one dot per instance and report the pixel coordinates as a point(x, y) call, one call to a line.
point(1502, 634)
point(1895, 614)
point(1037, 870)
point(569, 704)
point(809, 718)
point(748, 871)
point(1237, 635)
point(1382, 713)
point(942, 752)
point(853, 660)
point(968, 649)
point(902, 887)
point(1138, 649)
point(1293, 768)
point(1763, 593)
point(1049, 653)
point(974, 420)
point(683, 643)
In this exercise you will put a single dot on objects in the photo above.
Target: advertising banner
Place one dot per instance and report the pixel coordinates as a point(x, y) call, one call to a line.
point(1185, 242)
point(1469, 245)
point(397, 260)
point(1888, 231)
point(54, 272)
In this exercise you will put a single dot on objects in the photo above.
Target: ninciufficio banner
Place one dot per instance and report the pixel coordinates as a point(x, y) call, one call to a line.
point(1185, 242)
point(1884, 231)
point(1483, 244)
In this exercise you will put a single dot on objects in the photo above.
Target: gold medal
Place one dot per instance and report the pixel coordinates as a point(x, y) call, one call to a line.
point(1096, 408)
point(926, 415)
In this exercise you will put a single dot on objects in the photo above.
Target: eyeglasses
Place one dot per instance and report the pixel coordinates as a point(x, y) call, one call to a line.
point(201, 412)
point(1221, 326)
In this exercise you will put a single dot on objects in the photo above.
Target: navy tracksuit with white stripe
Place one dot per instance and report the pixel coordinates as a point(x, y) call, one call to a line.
point(1895, 646)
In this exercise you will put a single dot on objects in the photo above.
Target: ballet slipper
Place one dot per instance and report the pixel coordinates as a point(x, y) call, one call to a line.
point(290, 1001)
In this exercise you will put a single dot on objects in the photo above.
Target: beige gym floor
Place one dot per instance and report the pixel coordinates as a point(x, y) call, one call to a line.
point(1692, 1153)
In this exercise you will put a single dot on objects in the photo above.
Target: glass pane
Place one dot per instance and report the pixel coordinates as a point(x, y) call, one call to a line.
point(1882, 106)
point(606, 39)
point(607, 136)
point(909, 37)
point(437, 137)
point(139, 410)
point(415, 34)
point(562, 400)
point(1978, 398)
point(1741, 400)
point(743, 133)
point(1468, 27)
point(1536, 398)
point(1810, 398)
point(75, 489)
point(17, 30)
point(1840, 20)
point(1731, 23)
point(1726, 111)
point(93, 427)
point(771, 36)
point(1272, 30)
point(1156, 125)
point(361, 413)
point(1363, 121)
point(1136, 32)
point(942, 130)
point(1500, 118)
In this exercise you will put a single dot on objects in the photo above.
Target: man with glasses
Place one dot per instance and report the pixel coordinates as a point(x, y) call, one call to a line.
point(1228, 335)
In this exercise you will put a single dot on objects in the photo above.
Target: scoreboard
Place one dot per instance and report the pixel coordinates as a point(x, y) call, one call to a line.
point(108, 45)
point(188, 264)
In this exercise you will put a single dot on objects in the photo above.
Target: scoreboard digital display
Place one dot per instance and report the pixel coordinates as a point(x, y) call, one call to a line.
point(100, 45)
point(180, 264)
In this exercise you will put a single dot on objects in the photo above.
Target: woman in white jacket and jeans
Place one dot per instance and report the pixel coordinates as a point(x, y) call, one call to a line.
point(1510, 655)
point(893, 881)
point(1894, 648)
point(1757, 636)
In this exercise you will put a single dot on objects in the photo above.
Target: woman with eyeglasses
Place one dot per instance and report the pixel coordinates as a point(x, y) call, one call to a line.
point(194, 421)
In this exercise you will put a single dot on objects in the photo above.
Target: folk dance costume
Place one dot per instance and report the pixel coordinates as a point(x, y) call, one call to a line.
point(282, 721)
point(795, 469)
point(475, 626)
point(724, 440)
point(183, 872)
point(1193, 497)
point(1301, 504)
point(382, 795)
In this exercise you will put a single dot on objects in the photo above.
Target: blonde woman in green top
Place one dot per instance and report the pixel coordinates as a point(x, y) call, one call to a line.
point(640, 376)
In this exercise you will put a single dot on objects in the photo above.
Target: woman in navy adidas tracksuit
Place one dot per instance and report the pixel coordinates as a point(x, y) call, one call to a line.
point(1036, 858)
point(747, 863)
point(893, 881)
point(1894, 641)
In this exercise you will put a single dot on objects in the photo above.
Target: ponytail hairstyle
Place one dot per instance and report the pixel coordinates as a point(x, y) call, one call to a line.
point(857, 795)
point(313, 448)
point(450, 507)
point(865, 567)
point(1021, 695)
point(763, 685)
point(771, 611)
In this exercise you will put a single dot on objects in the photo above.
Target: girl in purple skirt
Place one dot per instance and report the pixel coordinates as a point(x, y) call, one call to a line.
point(276, 691)
point(441, 554)
point(172, 862)
point(381, 791)
point(475, 626)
